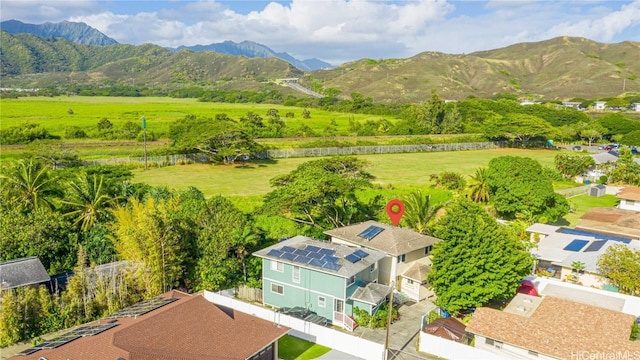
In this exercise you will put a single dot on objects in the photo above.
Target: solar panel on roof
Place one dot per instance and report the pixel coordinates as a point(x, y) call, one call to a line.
point(316, 262)
point(302, 259)
point(288, 249)
point(331, 266)
point(288, 256)
point(595, 246)
point(594, 234)
point(330, 258)
point(312, 248)
point(371, 232)
point(301, 252)
point(352, 258)
point(142, 307)
point(274, 252)
point(327, 251)
point(28, 351)
point(315, 255)
point(361, 253)
point(576, 245)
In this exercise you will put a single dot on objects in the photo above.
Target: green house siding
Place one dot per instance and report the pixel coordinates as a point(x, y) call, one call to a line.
point(364, 306)
point(311, 286)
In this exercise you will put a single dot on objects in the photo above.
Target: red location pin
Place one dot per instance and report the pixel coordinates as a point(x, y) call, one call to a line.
point(395, 210)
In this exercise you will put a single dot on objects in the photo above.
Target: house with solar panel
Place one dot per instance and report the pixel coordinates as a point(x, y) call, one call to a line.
point(328, 279)
point(406, 262)
point(559, 249)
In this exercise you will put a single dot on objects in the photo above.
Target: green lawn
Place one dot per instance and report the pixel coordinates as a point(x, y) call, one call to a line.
point(53, 112)
point(292, 348)
point(390, 170)
point(583, 203)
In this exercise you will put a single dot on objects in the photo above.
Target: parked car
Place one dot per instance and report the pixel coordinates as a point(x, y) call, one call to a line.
point(577, 148)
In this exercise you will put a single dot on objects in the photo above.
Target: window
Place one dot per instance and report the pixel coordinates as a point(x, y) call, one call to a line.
point(409, 281)
point(277, 266)
point(372, 268)
point(428, 249)
point(498, 344)
point(488, 341)
point(321, 301)
point(351, 280)
point(533, 353)
point(277, 289)
point(296, 274)
point(402, 258)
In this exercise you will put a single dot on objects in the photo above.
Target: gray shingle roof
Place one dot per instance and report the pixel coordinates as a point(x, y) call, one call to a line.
point(392, 240)
point(372, 293)
point(21, 272)
point(347, 268)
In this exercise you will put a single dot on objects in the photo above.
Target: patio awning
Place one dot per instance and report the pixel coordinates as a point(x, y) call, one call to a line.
point(372, 293)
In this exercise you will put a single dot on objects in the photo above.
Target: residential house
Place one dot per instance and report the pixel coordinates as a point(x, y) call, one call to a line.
point(572, 104)
point(635, 107)
point(612, 221)
point(403, 249)
point(22, 272)
point(572, 255)
point(172, 326)
point(328, 279)
point(532, 327)
point(599, 105)
point(629, 198)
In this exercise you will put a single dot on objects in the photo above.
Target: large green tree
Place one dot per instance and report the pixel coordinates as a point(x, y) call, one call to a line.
point(571, 165)
point(519, 188)
point(31, 183)
point(323, 194)
point(621, 265)
point(478, 260)
point(518, 127)
point(420, 211)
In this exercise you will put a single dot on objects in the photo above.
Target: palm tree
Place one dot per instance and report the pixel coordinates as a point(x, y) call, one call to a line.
point(419, 211)
point(244, 239)
point(30, 182)
point(88, 200)
point(478, 187)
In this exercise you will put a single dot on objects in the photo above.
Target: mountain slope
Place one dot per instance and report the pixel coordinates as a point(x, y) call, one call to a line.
point(79, 33)
point(252, 49)
point(559, 68)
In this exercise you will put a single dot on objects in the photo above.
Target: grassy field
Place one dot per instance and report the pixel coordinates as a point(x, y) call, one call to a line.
point(583, 203)
point(390, 170)
point(53, 113)
point(292, 348)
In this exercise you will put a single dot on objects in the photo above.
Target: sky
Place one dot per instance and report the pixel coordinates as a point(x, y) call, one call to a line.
point(339, 31)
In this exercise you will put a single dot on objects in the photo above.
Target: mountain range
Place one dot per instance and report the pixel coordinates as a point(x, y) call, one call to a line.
point(556, 69)
point(81, 33)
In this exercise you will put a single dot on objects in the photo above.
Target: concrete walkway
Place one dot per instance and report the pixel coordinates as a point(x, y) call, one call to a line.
point(338, 355)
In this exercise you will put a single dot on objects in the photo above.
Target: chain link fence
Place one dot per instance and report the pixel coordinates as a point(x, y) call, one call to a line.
point(181, 159)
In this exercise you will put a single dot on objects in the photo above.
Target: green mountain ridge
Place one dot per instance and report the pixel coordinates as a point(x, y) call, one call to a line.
point(75, 32)
point(560, 68)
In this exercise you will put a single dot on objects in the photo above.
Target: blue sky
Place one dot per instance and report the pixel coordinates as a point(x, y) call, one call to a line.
point(338, 31)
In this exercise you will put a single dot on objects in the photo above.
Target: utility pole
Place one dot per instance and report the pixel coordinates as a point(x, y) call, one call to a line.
point(144, 132)
point(389, 314)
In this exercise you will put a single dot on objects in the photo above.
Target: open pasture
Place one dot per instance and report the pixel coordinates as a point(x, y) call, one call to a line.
point(396, 170)
point(53, 113)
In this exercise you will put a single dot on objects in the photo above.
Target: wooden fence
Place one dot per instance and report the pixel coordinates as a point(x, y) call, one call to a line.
point(249, 294)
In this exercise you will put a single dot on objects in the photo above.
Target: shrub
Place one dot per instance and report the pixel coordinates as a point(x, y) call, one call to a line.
point(449, 180)
point(24, 134)
point(74, 132)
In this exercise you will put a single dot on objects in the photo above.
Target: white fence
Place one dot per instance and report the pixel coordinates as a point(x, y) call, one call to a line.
point(318, 334)
point(447, 349)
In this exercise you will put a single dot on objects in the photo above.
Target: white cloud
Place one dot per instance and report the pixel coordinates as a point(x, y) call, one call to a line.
point(38, 11)
point(343, 30)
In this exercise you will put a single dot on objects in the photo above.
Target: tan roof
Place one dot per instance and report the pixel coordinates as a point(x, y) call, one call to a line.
point(189, 328)
point(417, 272)
point(392, 240)
point(558, 328)
point(613, 221)
point(629, 193)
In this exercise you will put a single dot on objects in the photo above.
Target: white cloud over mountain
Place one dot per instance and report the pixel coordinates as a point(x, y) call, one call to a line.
point(343, 30)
